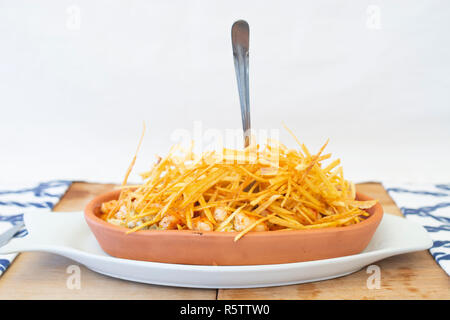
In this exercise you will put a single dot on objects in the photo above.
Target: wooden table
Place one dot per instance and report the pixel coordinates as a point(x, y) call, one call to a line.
point(44, 276)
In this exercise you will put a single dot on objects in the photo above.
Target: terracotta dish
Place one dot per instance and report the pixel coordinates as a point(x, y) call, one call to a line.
point(219, 248)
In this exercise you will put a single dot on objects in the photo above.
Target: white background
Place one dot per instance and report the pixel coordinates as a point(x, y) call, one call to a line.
point(78, 77)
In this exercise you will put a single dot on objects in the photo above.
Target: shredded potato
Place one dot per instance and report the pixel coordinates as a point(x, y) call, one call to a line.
point(256, 189)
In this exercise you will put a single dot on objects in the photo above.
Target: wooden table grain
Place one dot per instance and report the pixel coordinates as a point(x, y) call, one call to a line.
point(35, 275)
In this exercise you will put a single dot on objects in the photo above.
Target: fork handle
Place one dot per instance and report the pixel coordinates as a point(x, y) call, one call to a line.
point(240, 41)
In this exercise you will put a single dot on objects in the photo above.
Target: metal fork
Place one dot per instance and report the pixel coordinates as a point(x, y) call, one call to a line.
point(240, 40)
point(6, 236)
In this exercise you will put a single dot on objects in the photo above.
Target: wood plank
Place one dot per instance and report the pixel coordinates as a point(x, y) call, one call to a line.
point(44, 276)
point(35, 275)
point(408, 276)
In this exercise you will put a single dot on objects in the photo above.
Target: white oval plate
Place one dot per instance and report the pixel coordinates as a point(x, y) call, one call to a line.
point(67, 234)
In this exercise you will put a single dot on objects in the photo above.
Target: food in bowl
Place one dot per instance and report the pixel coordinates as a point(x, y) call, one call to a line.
point(261, 188)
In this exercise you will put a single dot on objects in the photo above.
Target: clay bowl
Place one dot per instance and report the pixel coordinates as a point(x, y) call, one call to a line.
point(219, 248)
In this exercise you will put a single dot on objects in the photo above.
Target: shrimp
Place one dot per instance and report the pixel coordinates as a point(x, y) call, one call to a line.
point(202, 224)
point(220, 214)
point(108, 206)
point(169, 222)
point(242, 221)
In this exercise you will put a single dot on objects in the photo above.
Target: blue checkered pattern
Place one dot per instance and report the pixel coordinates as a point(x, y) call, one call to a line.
point(20, 199)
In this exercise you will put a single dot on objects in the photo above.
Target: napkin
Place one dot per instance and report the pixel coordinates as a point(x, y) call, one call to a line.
point(15, 200)
point(428, 205)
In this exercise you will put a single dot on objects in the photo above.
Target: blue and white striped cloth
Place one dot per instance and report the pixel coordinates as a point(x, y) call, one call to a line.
point(428, 205)
point(20, 199)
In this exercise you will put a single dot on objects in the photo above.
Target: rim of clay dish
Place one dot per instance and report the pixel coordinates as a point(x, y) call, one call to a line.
point(90, 215)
